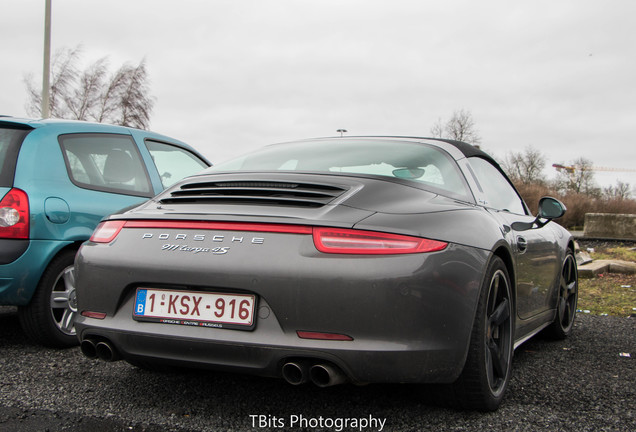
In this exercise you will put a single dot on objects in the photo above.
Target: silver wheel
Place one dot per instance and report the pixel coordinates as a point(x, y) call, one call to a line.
point(64, 301)
point(49, 318)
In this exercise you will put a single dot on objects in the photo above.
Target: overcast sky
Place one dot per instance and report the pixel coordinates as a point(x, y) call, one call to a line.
point(229, 76)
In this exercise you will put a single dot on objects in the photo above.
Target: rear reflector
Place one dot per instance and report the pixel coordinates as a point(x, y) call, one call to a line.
point(97, 315)
point(348, 241)
point(14, 215)
point(323, 336)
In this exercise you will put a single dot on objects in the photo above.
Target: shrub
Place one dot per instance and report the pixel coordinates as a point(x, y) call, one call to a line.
point(578, 204)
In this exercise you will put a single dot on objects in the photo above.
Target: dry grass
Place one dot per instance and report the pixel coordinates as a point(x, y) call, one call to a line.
point(618, 253)
point(612, 294)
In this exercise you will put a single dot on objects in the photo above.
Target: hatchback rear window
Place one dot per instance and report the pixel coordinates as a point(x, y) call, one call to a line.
point(105, 162)
point(10, 140)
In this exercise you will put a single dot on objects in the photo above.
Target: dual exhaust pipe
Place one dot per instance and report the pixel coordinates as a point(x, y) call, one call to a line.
point(321, 374)
point(100, 349)
point(294, 372)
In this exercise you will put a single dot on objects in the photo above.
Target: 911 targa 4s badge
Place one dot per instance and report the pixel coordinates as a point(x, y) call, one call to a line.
point(361, 259)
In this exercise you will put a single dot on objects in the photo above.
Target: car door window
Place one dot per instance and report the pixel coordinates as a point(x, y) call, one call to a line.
point(173, 163)
point(498, 192)
point(105, 162)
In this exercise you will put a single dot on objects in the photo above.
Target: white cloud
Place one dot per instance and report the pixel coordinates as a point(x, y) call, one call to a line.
point(235, 74)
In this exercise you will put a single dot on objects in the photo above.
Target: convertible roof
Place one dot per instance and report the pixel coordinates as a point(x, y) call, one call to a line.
point(468, 150)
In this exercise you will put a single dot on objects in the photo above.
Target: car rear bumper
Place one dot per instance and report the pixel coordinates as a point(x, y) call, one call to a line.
point(11, 250)
point(19, 278)
point(265, 350)
point(409, 317)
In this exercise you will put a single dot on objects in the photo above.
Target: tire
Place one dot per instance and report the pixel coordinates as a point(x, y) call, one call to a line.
point(49, 319)
point(568, 298)
point(486, 373)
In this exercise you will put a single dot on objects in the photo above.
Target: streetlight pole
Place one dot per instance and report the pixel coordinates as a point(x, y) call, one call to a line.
point(46, 73)
point(342, 131)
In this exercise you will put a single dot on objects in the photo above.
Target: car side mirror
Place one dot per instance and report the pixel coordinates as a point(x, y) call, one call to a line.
point(549, 208)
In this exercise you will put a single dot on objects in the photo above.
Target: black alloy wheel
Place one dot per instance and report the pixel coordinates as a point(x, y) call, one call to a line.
point(568, 298)
point(498, 332)
point(486, 373)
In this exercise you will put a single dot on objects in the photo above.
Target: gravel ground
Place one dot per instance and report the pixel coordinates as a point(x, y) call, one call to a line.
point(581, 384)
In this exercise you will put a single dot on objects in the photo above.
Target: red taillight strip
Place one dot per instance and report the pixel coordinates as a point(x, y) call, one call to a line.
point(223, 226)
point(107, 231)
point(326, 240)
point(348, 241)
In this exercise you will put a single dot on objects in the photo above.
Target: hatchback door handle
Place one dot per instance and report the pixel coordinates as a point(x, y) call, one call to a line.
point(522, 244)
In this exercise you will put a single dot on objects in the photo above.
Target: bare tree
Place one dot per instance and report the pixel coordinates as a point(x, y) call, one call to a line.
point(460, 127)
point(136, 106)
point(437, 130)
point(108, 104)
point(86, 96)
point(525, 167)
point(121, 98)
point(578, 177)
point(620, 191)
point(63, 76)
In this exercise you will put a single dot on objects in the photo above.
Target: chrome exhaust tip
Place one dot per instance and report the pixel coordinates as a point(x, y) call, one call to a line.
point(106, 352)
point(296, 373)
point(88, 348)
point(325, 375)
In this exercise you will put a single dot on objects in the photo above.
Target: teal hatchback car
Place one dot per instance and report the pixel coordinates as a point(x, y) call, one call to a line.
point(58, 179)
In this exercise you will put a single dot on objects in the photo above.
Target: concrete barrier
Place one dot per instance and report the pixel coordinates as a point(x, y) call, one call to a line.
point(610, 226)
point(595, 268)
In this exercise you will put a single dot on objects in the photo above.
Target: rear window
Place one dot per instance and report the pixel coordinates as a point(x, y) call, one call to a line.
point(105, 162)
point(429, 167)
point(10, 140)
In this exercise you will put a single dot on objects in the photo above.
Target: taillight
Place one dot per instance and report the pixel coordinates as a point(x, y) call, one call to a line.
point(348, 241)
point(14, 215)
point(107, 231)
point(327, 240)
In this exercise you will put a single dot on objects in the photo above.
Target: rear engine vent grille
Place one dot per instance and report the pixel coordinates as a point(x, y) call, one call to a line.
point(255, 193)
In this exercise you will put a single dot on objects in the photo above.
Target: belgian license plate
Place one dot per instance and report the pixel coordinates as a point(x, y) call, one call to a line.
point(195, 308)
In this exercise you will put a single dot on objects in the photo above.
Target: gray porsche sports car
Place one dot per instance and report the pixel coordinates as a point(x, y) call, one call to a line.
point(362, 259)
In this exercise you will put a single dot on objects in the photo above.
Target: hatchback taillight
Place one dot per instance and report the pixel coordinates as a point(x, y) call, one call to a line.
point(14, 215)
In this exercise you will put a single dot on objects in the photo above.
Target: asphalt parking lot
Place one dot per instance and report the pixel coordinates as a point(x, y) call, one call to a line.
point(586, 383)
